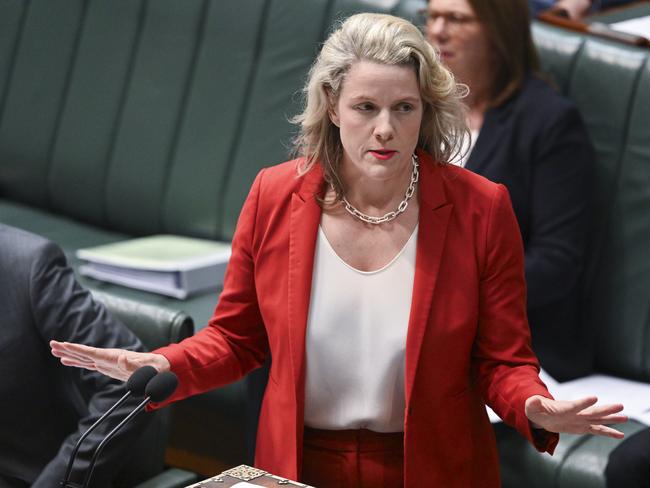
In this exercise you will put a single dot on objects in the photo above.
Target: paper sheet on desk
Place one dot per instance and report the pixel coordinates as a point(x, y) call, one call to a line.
point(635, 395)
point(639, 26)
point(245, 484)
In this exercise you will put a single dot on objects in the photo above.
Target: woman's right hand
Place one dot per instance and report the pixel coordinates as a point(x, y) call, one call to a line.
point(116, 363)
point(576, 9)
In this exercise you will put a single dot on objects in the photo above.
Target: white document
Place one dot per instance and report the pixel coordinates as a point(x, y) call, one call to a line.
point(635, 395)
point(639, 26)
point(245, 484)
point(176, 266)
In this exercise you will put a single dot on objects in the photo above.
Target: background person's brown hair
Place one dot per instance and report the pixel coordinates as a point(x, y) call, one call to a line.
point(507, 26)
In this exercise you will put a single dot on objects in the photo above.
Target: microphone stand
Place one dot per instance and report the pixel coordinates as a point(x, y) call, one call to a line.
point(66, 483)
point(108, 437)
point(136, 385)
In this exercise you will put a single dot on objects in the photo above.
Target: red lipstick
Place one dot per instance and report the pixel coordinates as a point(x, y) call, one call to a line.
point(383, 154)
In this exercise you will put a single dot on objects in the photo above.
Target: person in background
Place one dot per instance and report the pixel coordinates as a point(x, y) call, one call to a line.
point(45, 407)
point(386, 285)
point(531, 139)
point(574, 9)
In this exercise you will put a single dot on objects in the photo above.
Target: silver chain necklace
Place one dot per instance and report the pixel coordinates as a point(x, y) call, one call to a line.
point(369, 219)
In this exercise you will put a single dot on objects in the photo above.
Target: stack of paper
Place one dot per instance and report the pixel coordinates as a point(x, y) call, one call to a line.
point(639, 26)
point(634, 395)
point(170, 265)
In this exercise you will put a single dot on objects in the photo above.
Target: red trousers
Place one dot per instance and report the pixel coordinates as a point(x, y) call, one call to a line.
point(352, 459)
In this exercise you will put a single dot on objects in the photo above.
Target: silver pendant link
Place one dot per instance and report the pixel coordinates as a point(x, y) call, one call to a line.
point(401, 208)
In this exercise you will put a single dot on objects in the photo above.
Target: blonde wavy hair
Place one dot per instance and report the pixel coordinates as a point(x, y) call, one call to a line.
point(388, 40)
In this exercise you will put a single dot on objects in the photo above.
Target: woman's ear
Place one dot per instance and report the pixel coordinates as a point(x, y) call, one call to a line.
point(334, 116)
point(332, 109)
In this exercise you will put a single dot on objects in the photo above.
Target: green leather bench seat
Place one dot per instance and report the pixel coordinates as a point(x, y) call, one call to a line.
point(611, 85)
point(578, 462)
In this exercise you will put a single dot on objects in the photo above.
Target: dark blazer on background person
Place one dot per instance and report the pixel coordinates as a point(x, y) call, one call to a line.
point(467, 342)
point(537, 146)
point(46, 406)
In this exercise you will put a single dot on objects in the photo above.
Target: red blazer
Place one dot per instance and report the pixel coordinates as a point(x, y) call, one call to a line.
point(468, 341)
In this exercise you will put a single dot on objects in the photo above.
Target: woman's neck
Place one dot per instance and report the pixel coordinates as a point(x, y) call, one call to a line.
point(375, 196)
point(479, 94)
point(477, 102)
point(479, 82)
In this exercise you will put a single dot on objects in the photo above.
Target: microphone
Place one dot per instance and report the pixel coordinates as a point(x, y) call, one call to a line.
point(135, 386)
point(159, 388)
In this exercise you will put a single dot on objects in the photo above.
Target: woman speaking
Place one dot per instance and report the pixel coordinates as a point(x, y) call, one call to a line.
point(387, 286)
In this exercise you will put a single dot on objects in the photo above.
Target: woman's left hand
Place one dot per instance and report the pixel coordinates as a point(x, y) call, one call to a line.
point(575, 417)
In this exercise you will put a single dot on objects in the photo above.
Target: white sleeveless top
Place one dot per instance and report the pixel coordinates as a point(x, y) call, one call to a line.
point(356, 341)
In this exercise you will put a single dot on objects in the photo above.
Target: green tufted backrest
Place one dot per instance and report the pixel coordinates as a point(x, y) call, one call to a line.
point(610, 83)
point(123, 113)
point(147, 116)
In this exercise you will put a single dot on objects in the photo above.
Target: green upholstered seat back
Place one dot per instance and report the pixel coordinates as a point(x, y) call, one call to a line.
point(153, 116)
point(609, 83)
point(123, 113)
point(621, 304)
point(154, 325)
point(38, 41)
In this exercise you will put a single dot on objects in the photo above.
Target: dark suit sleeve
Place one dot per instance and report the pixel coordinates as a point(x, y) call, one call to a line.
point(602, 4)
point(559, 211)
point(66, 312)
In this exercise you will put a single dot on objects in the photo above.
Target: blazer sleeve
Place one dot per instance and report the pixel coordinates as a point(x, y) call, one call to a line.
point(64, 311)
point(235, 340)
point(560, 202)
point(504, 364)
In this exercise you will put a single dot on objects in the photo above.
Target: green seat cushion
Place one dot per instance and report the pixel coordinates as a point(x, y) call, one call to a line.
point(66, 232)
point(578, 462)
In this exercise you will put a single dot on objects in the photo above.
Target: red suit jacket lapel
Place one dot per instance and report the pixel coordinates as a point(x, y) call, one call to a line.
point(434, 217)
point(305, 219)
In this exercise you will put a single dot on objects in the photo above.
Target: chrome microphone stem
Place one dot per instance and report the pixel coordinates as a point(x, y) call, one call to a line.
point(108, 437)
point(66, 479)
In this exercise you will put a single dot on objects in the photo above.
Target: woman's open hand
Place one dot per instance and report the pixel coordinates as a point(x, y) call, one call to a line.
point(575, 417)
point(116, 363)
point(576, 9)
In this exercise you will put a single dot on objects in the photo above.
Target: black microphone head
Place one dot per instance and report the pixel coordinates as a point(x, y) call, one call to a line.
point(161, 386)
point(138, 381)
